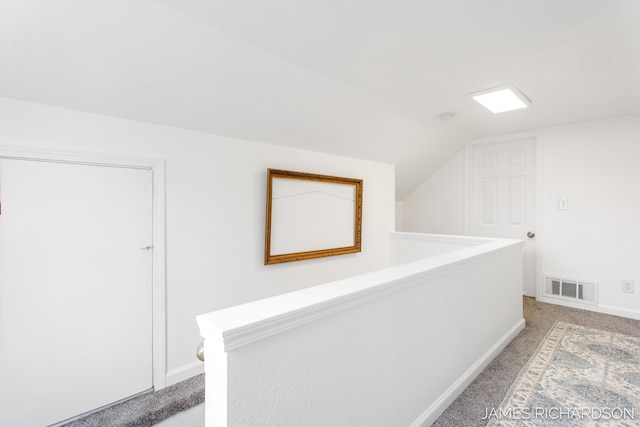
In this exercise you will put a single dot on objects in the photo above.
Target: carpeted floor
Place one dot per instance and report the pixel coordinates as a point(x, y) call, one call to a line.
point(490, 387)
point(147, 409)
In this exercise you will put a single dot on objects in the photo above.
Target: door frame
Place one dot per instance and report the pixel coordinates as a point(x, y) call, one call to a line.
point(468, 193)
point(158, 221)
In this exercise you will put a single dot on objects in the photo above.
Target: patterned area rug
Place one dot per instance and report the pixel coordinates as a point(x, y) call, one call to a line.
point(577, 377)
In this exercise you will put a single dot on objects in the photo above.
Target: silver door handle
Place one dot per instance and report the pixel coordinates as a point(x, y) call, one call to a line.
point(147, 248)
point(200, 351)
point(531, 234)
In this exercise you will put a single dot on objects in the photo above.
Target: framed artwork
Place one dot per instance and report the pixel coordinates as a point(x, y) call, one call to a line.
point(311, 216)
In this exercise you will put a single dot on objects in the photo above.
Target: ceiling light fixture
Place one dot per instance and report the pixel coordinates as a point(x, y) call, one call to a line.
point(501, 99)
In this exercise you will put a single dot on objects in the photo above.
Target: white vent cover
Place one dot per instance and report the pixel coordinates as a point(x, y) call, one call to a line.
point(580, 291)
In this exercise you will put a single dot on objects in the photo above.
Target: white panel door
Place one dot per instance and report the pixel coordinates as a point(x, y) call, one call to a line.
point(75, 289)
point(504, 197)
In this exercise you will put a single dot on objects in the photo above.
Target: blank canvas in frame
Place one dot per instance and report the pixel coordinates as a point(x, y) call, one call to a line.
point(311, 216)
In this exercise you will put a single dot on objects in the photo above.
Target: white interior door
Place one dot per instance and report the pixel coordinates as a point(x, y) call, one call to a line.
point(75, 289)
point(504, 197)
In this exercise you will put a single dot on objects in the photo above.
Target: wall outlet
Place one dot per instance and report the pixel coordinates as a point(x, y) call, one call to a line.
point(628, 286)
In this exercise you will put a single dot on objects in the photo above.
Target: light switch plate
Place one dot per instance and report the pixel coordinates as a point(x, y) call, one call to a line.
point(563, 203)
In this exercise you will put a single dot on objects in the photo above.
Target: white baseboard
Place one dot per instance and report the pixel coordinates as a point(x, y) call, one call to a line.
point(436, 409)
point(620, 312)
point(184, 372)
point(604, 309)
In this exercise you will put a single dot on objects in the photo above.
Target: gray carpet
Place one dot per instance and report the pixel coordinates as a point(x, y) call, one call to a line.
point(491, 386)
point(147, 409)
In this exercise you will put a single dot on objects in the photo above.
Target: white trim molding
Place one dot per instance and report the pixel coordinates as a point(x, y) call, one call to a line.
point(174, 376)
point(604, 309)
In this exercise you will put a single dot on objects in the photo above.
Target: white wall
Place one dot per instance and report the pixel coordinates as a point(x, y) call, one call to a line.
point(215, 209)
point(393, 347)
point(399, 216)
point(437, 206)
point(595, 165)
point(409, 247)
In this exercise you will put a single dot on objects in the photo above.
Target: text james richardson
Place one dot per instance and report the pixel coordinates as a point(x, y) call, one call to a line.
point(559, 413)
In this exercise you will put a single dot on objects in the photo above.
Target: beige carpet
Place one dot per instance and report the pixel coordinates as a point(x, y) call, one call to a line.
point(491, 386)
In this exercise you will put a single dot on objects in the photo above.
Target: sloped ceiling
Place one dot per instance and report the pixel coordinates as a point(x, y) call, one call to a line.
point(362, 78)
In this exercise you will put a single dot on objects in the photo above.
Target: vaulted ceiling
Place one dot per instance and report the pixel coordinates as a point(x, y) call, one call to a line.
point(362, 78)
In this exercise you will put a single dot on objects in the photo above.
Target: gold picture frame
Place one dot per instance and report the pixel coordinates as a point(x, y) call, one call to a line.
point(311, 216)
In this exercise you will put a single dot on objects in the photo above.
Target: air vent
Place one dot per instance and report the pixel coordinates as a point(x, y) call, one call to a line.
point(580, 291)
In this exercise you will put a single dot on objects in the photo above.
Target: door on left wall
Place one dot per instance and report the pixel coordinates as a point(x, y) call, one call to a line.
point(75, 288)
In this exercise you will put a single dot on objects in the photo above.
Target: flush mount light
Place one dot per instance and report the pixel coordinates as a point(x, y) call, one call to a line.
point(501, 99)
